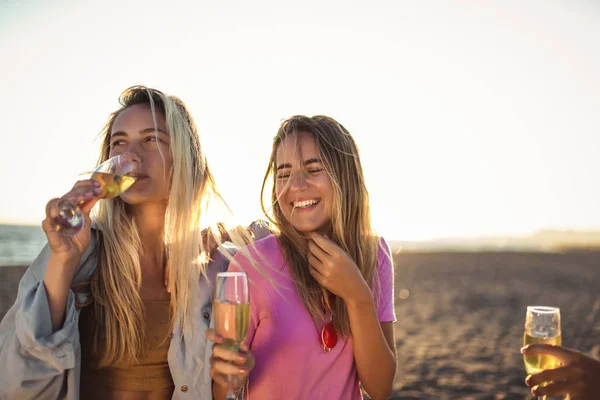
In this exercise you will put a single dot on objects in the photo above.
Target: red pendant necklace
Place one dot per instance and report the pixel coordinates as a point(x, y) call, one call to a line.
point(328, 333)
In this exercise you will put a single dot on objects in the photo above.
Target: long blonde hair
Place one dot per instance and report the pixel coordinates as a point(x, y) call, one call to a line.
point(118, 329)
point(350, 216)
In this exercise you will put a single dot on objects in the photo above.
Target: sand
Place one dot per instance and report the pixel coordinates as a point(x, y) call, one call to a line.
point(460, 317)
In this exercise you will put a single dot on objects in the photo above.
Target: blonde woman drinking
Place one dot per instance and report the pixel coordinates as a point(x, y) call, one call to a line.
point(119, 310)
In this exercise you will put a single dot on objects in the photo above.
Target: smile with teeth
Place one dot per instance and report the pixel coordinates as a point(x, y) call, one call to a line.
point(305, 203)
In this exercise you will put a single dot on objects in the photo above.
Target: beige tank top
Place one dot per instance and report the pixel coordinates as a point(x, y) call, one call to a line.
point(151, 374)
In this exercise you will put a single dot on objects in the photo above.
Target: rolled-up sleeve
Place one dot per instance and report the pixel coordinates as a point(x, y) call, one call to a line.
point(37, 363)
point(33, 329)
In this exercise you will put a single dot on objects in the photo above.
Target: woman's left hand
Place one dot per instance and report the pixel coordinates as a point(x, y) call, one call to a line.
point(334, 269)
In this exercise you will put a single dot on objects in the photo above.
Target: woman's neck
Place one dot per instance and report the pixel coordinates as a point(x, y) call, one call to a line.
point(150, 221)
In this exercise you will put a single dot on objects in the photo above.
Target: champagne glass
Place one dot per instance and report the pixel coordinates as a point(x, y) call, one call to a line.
point(231, 310)
point(542, 325)
point(115, 176)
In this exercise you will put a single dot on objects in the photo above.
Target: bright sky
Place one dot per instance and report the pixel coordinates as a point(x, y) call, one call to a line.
point(473, 118)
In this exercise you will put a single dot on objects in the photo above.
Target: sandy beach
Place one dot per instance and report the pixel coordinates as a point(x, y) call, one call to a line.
point(460, 317)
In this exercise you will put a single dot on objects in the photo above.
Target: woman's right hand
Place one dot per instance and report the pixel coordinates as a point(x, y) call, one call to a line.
point(85, 194)
point(228, 367)
point(578, 377)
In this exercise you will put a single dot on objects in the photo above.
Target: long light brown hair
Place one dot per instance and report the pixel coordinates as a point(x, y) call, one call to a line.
point(118, 329)
point(350, 225)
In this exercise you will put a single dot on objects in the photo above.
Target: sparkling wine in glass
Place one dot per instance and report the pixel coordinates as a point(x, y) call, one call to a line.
point(115, 176)
point(231, 310)
point(542, 325)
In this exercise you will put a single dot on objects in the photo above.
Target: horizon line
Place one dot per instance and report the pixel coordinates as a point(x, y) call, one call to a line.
point(433, 238)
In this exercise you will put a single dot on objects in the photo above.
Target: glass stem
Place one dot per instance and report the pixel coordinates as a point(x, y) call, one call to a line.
point(230, 393)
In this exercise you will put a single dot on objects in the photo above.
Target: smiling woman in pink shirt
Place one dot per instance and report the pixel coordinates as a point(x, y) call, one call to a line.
point(321, 287)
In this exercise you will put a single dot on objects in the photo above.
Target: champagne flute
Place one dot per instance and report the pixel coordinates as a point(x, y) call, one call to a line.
point(542, 325)
point(231, 310)
point(115, 176)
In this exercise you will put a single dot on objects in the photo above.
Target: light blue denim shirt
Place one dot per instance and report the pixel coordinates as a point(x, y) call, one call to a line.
point(39, 364)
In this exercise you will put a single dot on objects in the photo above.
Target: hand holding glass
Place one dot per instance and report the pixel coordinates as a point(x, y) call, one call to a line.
point(231, 311)
point(114, 175)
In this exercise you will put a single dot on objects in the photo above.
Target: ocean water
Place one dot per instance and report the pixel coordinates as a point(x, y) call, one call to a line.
point(20, 244)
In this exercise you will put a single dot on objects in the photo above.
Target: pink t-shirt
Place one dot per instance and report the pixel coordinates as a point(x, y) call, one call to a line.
point(290, 362)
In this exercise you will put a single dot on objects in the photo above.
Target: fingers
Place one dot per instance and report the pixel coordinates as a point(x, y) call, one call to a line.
point(567, 356)
point(249, 357)
point(87, 205)
point(224, 373)
point(317, 275)
point(228, 364)
point(570, 379)
point(315, 263)
point(566, 373)
point(221, 379)
point(59, 209)
point(84, 191)
point(85, 185)
point(85, 194)
point(316, 251)
point(324, 243)
point(225, 352)
point(318, 271)
point(221, 366)
point(51, 214)
point(572, 388)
